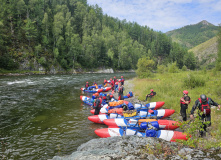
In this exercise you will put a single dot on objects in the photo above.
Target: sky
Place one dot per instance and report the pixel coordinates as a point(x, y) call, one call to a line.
point(162, 15)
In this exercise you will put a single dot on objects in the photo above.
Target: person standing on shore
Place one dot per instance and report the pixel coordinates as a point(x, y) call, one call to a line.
point(120, 92)
point(203, 104)
point(122, 80)
point(184, 102)
point(112, 85)
point(97, 104)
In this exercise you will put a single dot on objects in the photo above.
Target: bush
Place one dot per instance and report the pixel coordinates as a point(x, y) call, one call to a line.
point(172, 68)
point(161, 68)
point(184, 68)
point(144, 67)
point(192, 81)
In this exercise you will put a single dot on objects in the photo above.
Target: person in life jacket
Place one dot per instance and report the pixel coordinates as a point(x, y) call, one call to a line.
point(115, 86)
point(112, 84)
point(120, 92)
point(122, 80)
point(86, 85)
point(152, 94)
point(203, 104)
point(184, 102)
point(97, 104)
point(105, 82)
point(95, 84)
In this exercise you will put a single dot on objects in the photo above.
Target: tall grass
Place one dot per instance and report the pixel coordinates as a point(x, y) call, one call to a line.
point(169, 87)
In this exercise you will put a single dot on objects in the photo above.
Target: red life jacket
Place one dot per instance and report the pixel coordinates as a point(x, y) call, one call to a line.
point(99, 103)
point(120, 89)
point(205, 108)
point(86, 85)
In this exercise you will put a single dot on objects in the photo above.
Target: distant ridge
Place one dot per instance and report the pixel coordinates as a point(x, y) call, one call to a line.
point(206, 52)
point(192, 35)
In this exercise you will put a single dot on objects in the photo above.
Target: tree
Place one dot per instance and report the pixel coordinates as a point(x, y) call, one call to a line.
point(144, 67)
point(30, 30)
point(190, 60)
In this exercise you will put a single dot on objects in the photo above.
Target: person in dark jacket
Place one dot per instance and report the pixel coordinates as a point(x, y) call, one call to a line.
point(97, 104)
point(184, 102)
point(120, 92)
point(122, 80)
point(152, 94)
point(203, 104)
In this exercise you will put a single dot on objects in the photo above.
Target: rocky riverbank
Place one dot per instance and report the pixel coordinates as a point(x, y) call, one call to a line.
point(134, 147)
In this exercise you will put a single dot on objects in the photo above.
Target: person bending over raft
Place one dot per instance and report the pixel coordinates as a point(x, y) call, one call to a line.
point(152, 94)
point(95, 84)
point(184, 101)
point(204, 106)
point(105, 82)
point(120, 92)
point(97, 104)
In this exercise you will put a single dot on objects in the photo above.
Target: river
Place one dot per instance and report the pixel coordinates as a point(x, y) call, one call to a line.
point(42, 116)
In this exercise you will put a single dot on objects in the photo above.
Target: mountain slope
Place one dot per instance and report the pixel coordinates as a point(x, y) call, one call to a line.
point(193, 35)
point(207, 51)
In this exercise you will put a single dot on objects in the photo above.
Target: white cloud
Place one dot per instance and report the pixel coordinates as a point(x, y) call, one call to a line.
point(162, 15)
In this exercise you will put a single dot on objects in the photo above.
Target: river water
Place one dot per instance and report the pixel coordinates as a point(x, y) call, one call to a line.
point(42, 116)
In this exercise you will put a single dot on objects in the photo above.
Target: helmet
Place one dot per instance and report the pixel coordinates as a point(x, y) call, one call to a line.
point(151, 90)
point(121, 76)
point(114, 77)
point(96, 94)
point(101, 94)
point(203, 97)
point(185, 92)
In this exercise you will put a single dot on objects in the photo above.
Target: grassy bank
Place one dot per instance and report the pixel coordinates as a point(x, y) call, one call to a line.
point(169, 87)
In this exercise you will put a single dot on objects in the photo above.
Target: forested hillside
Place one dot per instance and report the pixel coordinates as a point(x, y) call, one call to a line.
point(193, 35)
point(207, 52)
point(70, 34)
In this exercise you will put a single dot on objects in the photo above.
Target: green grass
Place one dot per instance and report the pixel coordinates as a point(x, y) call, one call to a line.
point(169, 87)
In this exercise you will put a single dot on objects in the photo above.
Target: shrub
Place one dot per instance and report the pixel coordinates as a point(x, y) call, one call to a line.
point(192, 81)
point(184, 68)
point(161, 68)
point(172, 68)
point(144, 67)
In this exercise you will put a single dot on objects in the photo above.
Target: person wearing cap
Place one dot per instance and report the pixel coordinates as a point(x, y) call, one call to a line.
point(152, 94)
point(203, 104)
point(97, 104)
point(184, 102)
point(86, 85)
point(122, 80)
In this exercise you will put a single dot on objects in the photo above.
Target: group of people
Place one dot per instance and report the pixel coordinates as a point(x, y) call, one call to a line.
point(203, 104)
point(116, 86)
